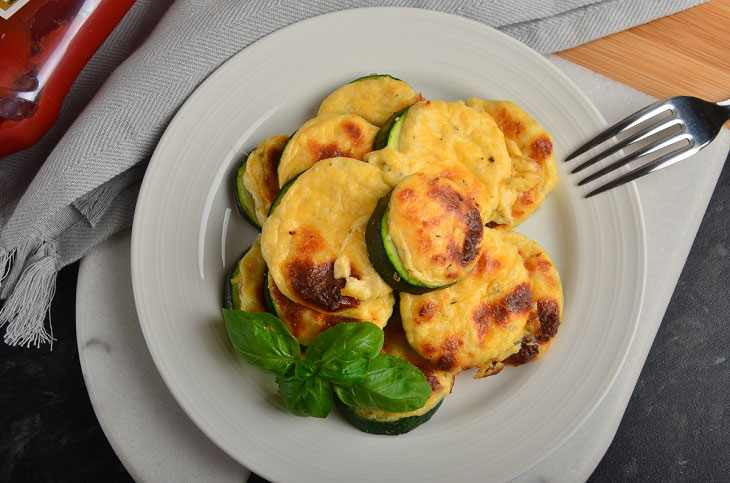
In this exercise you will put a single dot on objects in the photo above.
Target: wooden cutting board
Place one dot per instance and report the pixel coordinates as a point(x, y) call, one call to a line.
point(687, 53)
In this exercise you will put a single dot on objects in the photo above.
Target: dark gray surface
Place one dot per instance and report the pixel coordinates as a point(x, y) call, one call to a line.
point(676, 427)
point(677, 424)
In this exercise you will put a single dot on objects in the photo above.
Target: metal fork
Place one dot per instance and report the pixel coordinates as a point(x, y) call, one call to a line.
point(699, 123)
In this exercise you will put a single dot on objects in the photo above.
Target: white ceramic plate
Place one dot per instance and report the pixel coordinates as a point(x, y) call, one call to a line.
point(186, 235)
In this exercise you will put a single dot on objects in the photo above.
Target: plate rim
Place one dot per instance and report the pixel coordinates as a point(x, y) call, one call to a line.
point(631, 189)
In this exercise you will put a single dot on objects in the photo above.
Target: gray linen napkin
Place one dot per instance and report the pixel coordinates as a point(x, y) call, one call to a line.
point(79, 184)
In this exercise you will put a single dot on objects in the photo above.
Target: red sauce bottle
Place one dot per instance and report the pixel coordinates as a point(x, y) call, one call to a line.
point(44, 44)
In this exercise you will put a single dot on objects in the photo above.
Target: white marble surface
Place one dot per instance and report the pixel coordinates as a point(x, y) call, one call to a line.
point(157, 442)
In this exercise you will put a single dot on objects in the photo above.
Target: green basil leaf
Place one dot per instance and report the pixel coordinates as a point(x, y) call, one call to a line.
point(344, 373)
point(262, 340)
point(312, 397)
point(346, 342)
point(292, 391)
point(304, 370)
point(318, 397)
point(391, 384)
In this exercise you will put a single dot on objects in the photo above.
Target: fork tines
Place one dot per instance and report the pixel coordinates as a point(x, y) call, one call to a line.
point(662, 126)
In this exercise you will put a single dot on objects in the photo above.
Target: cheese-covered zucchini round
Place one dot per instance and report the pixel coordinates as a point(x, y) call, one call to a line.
point(304, 323)
point(530, 147)
point(383, 422)
point(314, 241)
point(426, 234)
point(244, 287)
point(256, 180)
point(450, 133)
point(324, 137)
point(547, 306)
point(479, 320)
point(374, 97)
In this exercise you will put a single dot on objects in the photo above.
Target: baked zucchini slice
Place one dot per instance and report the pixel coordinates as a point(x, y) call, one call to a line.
point(389, 134)
point(243, 288)
point(382, 422)
point(373, 426)
point(547, 304)
point(373, 97)
point(256, 184)
point(374, 76)
point(314, 241)
point(324, 137)
point(244, 200)
point(478, 321)
point(426, 234)
point(530, 147)
point(304, 323)
point(450, 134)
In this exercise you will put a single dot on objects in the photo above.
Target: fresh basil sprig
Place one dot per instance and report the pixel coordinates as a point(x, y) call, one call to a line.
point(311, 397)
point(343, 351)
point(390, 384)
point(345, 358)
point(263, 340)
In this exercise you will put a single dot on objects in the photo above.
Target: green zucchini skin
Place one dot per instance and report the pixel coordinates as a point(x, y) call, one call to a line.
point(244, 200)
point(383, 138)
point(373, 76)
point(282, 192)
point(269, 303)
point(378, 254)
point(228, 287)
point(391, 428)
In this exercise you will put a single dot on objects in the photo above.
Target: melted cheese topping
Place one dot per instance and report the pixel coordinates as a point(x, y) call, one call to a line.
point(260, 177)
point(547, 309)
point(324, 137)
point(248, 282)
point(444, 132)
point(314, 241)
point(395, 166)
point(436, 229)
point(441, 382)
point(304, 323)
point(534, 173)
point(479, 320)
point(373, 99)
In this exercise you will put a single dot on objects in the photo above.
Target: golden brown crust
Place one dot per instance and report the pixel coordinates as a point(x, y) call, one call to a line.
point(436, 229)
point(304, 323)
point(530, 147)
point(260, 178)
point(314, 241)
point(373, 99)
point(324, 137)
point(250, 279)
point(444, 134)
point(547, 308)
point(479, 320)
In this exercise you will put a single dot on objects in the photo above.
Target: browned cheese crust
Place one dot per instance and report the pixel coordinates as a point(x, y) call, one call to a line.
point(547, 309)
point(304, 323)
point(260, 178)
point(530, 147)
point(324, 137)
point(477, 321)
point(436, 228)
point(374, 99)
point(314, 241)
